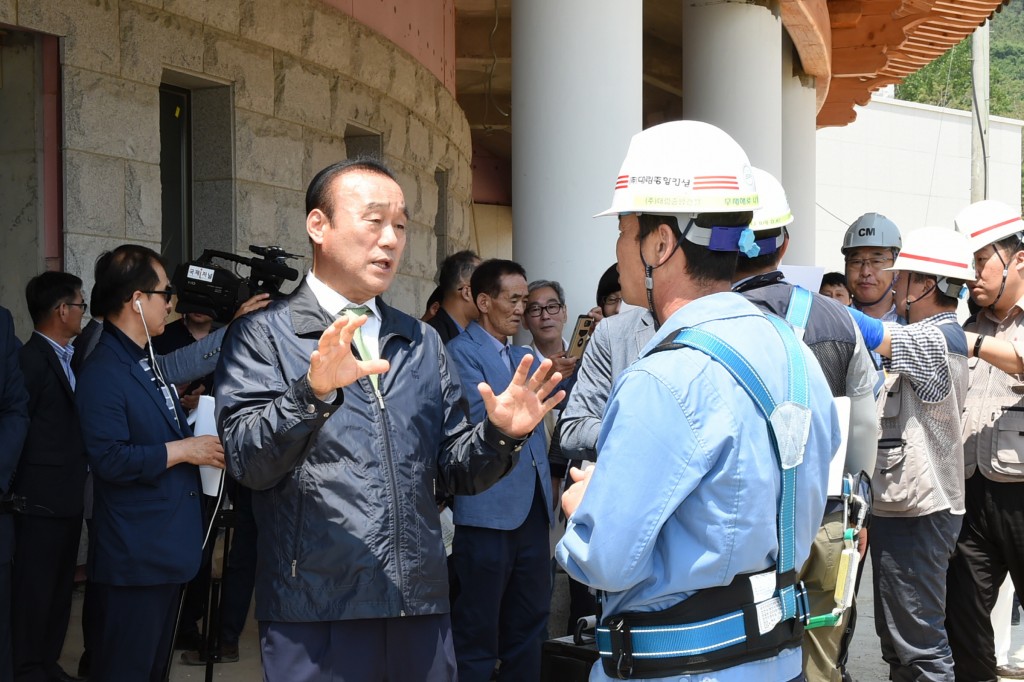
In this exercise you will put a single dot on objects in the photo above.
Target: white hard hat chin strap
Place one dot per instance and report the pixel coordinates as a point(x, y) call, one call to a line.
point(909, 302)
point(1006, 271)
point(649, 285)
point(649, 270)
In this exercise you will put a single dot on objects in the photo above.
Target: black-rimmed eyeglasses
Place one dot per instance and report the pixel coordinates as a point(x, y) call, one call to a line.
point(166, 293)
point(872, 263)
point(83, 306)
point(550, 309)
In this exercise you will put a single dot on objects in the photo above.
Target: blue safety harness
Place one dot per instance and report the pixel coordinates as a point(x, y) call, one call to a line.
point(757, 615)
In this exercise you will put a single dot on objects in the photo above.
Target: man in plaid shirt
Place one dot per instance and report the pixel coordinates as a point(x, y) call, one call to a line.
point(918, 482)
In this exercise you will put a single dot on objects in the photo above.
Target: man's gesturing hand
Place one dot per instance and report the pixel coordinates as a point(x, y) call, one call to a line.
point(522, 405)
point(332, 365)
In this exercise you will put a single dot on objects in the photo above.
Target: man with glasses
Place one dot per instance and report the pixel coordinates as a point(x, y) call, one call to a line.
point(870, 246)
point(545, 319)
point(501, 552)
point(147, 520)
point(51, 479)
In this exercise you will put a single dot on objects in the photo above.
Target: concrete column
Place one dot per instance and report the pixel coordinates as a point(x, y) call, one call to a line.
point(799, 113)
point(732, 61)
point(577, 99)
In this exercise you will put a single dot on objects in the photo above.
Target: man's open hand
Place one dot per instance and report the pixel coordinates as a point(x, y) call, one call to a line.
point(522, 405)
point(333, 366)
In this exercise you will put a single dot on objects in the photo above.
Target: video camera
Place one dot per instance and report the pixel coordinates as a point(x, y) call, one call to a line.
point(214, 290)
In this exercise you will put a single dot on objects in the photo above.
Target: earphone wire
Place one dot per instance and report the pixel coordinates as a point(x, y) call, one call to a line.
point(163, 383)
point(156, 369)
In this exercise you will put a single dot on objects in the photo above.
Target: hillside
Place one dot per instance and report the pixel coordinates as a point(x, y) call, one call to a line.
point(946, 82)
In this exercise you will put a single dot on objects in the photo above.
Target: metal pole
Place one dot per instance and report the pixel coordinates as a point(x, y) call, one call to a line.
point(979, 121)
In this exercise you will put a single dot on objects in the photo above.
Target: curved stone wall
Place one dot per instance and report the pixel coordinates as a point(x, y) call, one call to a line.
point(302, 77)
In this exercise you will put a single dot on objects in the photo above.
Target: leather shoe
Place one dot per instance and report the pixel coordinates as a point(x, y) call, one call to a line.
point(1010, 671)
point(228, 654)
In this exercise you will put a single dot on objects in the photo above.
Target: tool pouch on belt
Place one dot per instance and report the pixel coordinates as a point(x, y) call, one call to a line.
point(628, 659)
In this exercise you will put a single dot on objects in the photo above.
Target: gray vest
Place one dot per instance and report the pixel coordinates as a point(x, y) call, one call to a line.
point(920, 467)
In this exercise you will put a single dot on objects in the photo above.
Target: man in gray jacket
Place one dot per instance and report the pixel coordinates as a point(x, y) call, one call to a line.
point(342, 415)
point(614, 346)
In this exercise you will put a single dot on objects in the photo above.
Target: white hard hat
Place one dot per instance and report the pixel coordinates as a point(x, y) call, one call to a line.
point(774, 212)
point(683, 168)
point(987, 221)
point(940, 252)
point(872, 229)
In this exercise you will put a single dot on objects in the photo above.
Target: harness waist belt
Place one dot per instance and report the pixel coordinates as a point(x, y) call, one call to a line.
point(716, 628)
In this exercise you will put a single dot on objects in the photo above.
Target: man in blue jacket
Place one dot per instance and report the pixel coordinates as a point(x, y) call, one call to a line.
point(147, 522)
point(501, 551)
point(13, 427)
point(342, 414)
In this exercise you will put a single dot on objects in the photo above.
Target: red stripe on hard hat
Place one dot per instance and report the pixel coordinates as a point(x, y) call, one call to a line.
point(715, 182)
point(992, 227)
point(928, 259)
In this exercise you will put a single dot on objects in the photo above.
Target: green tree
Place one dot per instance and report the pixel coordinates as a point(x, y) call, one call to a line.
point(946, 82)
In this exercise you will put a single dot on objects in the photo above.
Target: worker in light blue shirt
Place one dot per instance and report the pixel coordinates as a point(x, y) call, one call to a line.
point(677, 524)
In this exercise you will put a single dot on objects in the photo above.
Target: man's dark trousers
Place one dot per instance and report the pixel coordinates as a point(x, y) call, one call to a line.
point(991, 544)
point(409, 649)
point(505, 597)
point(143, 644)
point(43, 582)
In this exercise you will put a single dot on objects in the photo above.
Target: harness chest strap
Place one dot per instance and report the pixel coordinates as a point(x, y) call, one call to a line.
point(763, 613)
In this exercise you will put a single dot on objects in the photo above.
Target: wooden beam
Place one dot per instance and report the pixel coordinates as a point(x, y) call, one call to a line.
point(870, 31)
point(836, 115)
point(873, 8)
point(857, 61)
point(807, 23)
point(844, 13)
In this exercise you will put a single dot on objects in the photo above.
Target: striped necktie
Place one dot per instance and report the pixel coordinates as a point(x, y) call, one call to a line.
point(357, 338)
point(506, 352)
